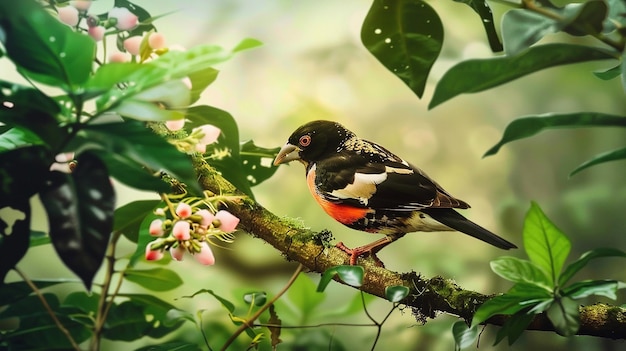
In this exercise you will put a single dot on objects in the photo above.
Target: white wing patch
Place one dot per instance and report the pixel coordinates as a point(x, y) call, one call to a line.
point(363, 187)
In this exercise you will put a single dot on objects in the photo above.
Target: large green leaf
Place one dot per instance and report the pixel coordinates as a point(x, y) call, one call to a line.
point(173, 65)
point(520, 271)
point(522, 28)
point(37, 331)
point(127, 322)
point(606, 288)
point(525, 127)
point(30, 109)
point(224, 154)
point(257, 162)
point(16, 137)
point(153, 306)
point(406, 37)
point(514, 326)
point(80, 210)
point(588, 19)
point(545, 244)
point(128, 218)
point(476, 75)
point(133, 145)
point(521, 296)
point(43, 48)
point(155, 279)
point(581, 262)
point(15, 291)
point(464, 336)
point(564, 316)
point(614, 155)
point(481, 7)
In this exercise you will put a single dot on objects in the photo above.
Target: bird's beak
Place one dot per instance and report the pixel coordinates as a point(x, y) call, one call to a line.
point(286, 154)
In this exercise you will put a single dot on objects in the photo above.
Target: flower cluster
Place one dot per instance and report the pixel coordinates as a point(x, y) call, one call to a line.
point(197, 140)
point(119, 18)
point(189, 230)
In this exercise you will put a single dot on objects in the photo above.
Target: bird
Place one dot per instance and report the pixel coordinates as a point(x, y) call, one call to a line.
point(366, 187)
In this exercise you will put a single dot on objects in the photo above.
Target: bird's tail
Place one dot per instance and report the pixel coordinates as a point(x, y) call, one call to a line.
point(456, 221)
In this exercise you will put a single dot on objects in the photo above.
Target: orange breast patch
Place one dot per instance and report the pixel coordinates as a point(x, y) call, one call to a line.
point(342, 213)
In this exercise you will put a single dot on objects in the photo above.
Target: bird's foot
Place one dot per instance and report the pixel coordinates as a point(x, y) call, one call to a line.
point(360, 251)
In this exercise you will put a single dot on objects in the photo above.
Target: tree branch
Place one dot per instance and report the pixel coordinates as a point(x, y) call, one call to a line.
point(427, 296)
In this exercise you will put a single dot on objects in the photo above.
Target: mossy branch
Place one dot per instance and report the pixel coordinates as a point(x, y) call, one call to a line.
point(428, 296)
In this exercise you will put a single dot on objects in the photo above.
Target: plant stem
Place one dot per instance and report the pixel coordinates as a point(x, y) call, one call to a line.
point(103, 307)
point(48, 308)
point(249, 322)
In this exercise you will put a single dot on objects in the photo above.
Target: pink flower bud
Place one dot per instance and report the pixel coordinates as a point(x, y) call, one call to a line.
point(183, 210)
point(228, 222)
point(119, 57)
point(153, 255)
point(97, 33)
point(200, 148)
point(126, 20)
point(207, 218)
point(181, 230)
point(81, 5)
point(68, 15)
point(210, 132)
point(175, 125)
point(205, 256)
point(187, 82)
point(156, 41)
point(133, 45)
point(156, 227)
point(177, 252)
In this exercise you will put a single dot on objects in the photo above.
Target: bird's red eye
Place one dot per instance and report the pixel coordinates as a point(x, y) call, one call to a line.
point(305, 140)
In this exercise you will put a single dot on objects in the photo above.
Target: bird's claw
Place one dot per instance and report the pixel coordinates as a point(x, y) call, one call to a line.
point(357, 252)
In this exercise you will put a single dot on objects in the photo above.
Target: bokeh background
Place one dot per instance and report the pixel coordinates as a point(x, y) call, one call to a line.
point(313, 66)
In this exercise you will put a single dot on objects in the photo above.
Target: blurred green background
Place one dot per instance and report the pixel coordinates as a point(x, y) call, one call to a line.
point(313, 66)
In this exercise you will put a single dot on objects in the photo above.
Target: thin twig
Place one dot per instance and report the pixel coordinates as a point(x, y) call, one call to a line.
point(48, 308)
point(249, 322)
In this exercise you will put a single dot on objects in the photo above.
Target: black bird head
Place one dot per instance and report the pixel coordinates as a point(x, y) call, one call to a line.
point(310, 142)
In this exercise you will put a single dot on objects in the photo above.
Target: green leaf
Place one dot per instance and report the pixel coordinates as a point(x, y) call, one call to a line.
point(146, 111)
point(514, 327)
point(107, 76)
point(18, 137)
point(246, 44)
point(224, 155)
point(38, 238)
point(522, 28)
point(351, 275)
point(155, 279)
point(43, 48)
point(131, 143)
point(126, 321)
point(607, 288)
point(86, 302)
point(171, 346)
point(520, 271)
point(464, 336)
point(521, 296)
point(589, 20)
point(135, 175)
point(257, 162)
point(258, 298)
point(31, 110)
point(545, 244)
point(610, 73)
point(614, 155)
point(564, 316)
point(127, 219)
point(160, 325)
point(476, 75)
point(37, 330)
point(581, 262)
point(528, 126)
point(80, 210)
point(396, 293)
point(227, 304)
point(15, 291)
point(481, 7)
point(201, 80)
point(406, 37)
